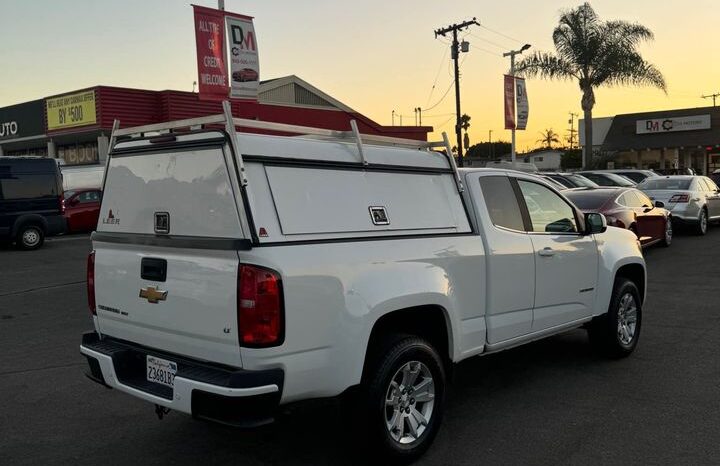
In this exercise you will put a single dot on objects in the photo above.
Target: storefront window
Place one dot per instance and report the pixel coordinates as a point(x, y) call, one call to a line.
point(79, 154)
point(36, 152)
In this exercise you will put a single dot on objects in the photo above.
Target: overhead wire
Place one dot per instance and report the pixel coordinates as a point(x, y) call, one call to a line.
point(500, 34)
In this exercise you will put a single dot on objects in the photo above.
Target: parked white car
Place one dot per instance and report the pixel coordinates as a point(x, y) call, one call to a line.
point(693, 200)
point(224, 285)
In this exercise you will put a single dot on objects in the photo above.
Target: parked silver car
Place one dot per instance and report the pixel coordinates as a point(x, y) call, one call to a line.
point(694, 200)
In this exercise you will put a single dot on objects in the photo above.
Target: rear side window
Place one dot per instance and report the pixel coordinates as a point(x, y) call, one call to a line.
point(501, 202)
point(549, 213)
point(27, 186)
point(682, 184)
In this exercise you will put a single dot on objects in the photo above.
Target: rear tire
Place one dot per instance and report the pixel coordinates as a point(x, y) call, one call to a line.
point(616, 333)
point(702, 226)
point(30, 237)
point(402, 398)
point(668, 234)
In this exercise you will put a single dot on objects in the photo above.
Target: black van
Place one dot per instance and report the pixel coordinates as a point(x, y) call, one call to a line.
point(31, 200)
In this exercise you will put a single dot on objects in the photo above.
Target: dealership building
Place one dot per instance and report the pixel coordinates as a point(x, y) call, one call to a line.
point(683, 138)
point(75, 127)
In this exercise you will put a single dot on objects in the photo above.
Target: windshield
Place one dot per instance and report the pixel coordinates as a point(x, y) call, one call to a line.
point(583, 182)
point(588, 200)
point(682, 184)
point(620, 180)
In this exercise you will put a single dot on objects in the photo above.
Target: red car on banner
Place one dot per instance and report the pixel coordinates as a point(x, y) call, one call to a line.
point(245, 75)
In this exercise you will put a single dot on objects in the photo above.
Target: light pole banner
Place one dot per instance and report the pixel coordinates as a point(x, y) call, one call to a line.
point(509, 102)
point(523, 107)
point(210, 43)
point(244, 62)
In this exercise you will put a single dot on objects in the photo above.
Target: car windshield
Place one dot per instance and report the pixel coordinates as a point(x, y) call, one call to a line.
point(666, 183)
point(620, 180)
point(589, 200)
point(69, 194)
point(581, 181)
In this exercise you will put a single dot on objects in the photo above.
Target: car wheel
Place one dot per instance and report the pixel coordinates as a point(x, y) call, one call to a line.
point(702, 225)
point(668, 235)
point(403, 399)
point(616, 333)
point(29, 237)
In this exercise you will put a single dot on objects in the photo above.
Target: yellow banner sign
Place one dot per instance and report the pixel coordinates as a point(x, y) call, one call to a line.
point(69, 111)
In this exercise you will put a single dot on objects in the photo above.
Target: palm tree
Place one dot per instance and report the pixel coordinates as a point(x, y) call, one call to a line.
point(595, 53)
point(465, 124)
point(548, 137)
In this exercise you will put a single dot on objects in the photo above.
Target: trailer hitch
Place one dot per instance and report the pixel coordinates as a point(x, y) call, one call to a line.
point(161, 411)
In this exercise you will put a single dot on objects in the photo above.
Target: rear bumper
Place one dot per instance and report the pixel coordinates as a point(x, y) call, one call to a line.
point(225, 395)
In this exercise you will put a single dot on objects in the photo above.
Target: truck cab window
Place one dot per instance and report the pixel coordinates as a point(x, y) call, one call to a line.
point(501, 202)
point(549, 213)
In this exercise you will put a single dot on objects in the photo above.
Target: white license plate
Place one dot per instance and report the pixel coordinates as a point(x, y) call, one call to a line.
point(161, 371)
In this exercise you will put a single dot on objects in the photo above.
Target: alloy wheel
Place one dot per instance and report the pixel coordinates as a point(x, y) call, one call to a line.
point(30, 237)
point(409, 402)
point(627, 319)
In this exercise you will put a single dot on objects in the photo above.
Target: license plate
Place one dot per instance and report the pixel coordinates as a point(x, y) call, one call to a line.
point(161, 371)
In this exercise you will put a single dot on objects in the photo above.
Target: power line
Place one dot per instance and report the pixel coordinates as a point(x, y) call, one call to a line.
point(501, 34)
point(441, 98)
point(502, 47)
point(437, 75)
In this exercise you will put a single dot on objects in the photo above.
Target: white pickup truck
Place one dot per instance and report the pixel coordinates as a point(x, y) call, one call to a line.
point(234, 273)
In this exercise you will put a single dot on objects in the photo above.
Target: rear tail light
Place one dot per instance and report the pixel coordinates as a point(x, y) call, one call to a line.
point(91, 283)
point(680, 198)
point(259, 307)
point(62, 204)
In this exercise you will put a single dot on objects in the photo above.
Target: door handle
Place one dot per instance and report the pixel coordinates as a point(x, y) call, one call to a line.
point(546, 252)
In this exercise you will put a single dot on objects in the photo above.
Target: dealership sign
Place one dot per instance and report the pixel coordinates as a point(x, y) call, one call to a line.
point(71, 110)
point(218, 32)
point(509, 94)
point(667, 125)
point(523, 106)
point(18, 121)
point(244, 63)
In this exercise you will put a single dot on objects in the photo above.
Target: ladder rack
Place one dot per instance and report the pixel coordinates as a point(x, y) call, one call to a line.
point(231, 124)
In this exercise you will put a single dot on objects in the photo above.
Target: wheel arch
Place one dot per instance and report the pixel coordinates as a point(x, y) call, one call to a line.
point(431, 322)
point(29, 219)
point(635, 273)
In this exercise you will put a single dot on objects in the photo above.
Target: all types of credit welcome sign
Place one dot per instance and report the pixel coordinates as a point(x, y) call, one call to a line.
point(218, 32)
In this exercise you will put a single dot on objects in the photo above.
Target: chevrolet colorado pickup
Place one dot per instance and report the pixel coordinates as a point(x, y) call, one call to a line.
point(233, 273)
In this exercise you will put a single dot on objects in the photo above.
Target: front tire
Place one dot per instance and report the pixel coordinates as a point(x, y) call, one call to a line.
point(616, 333)
point(30, 237)
point(404, 397)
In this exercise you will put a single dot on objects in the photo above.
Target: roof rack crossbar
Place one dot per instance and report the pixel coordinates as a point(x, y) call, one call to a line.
point(358, 139)
point(231, 123)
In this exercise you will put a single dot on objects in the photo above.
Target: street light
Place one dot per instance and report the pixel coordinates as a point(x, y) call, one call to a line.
point(512, 54)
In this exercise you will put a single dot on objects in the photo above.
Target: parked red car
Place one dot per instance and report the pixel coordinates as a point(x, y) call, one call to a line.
point(82, 209)
point(627, 208)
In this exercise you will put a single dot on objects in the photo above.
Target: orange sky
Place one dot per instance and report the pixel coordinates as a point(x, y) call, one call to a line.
point(374, 56)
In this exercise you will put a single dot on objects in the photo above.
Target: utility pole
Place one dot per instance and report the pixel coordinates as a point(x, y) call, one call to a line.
point(490, 146)
point(419, 112)
point(714, 96)
point(221, 4)
point(455, 50)
point(572, 129)
point(393, 117)
point(512, 54)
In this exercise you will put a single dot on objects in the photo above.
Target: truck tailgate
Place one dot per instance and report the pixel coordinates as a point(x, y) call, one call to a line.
point(192, 312)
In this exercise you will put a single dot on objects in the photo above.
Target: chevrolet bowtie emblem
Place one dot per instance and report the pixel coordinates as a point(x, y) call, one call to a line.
point(153, 295)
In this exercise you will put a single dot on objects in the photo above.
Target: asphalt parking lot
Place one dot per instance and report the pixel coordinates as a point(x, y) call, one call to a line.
point(553, 402)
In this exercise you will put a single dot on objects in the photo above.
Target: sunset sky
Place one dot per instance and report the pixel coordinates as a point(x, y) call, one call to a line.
point(375, 56)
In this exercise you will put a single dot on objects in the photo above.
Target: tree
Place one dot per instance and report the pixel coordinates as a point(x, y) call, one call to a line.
point(465, 124)
point(594, 53)
point(548, 137)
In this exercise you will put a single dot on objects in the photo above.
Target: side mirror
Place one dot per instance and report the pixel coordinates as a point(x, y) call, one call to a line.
point(660, 204)
point(595, 223)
